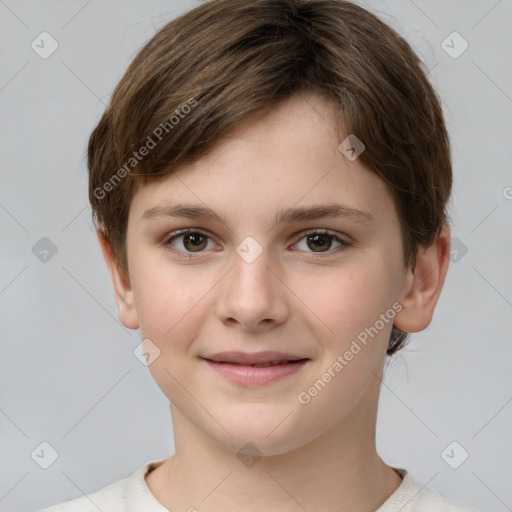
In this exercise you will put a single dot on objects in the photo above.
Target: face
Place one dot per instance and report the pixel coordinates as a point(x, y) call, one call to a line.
point(268, 271)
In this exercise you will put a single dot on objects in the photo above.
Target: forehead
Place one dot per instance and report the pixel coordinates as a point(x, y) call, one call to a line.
point(287, 156)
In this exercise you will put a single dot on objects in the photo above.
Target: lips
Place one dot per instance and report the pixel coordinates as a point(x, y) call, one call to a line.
point(257, 369)
point(257, 359)
point(266, 365)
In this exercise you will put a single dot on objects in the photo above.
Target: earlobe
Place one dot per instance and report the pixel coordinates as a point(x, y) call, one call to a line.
point(122, 287)
point(423, 285)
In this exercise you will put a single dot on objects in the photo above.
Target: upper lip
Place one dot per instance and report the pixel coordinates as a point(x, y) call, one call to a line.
point(254, 358)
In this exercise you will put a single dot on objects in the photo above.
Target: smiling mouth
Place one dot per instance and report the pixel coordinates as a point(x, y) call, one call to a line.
point(258, 374)
point(261, 365)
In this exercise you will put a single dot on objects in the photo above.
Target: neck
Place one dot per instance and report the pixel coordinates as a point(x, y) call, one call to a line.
point(339, 470)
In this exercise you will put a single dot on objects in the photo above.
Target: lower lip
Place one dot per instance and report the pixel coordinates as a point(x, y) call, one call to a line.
point(256, 376)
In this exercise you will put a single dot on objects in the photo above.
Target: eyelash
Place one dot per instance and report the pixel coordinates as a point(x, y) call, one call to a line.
point(188, 255)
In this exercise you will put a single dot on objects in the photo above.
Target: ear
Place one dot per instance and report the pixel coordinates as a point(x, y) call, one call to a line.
point(122, 288)
point(423, 285)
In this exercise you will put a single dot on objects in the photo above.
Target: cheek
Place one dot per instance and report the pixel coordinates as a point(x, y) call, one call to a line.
point(168, 301)
point(171, 314)
point(163, 293)
point(347, 300)
point(353, 337)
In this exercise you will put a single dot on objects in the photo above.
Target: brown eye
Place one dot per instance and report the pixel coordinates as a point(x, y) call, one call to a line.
point(318, 243)
point(188, 242)
point(194, 242)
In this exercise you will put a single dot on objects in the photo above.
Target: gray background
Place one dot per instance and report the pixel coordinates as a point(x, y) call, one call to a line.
point(68, 373)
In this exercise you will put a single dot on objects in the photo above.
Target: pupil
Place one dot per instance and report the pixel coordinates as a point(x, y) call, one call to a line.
point(196, 240)
point(315, 239)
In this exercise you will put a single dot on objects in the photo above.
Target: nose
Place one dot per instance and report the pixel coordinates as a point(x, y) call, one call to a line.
point(252, 295)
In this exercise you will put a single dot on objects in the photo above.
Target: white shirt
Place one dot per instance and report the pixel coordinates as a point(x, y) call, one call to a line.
point(133, 495)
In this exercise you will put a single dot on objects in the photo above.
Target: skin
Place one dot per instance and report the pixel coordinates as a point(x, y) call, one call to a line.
point(305, 298)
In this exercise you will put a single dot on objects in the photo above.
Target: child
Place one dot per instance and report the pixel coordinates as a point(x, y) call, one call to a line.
point(269, 184)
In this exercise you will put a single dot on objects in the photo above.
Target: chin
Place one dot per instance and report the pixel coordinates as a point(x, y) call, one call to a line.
point(264, 438)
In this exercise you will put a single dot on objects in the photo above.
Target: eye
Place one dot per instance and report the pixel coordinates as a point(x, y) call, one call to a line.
point(189, 241)
point(321, 241)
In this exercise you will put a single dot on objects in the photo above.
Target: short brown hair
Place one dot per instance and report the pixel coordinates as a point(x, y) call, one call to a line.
point(226, 61)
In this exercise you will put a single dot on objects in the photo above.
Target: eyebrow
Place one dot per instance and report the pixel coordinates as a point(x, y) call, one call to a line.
point(322, 211)
point(289, 215)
